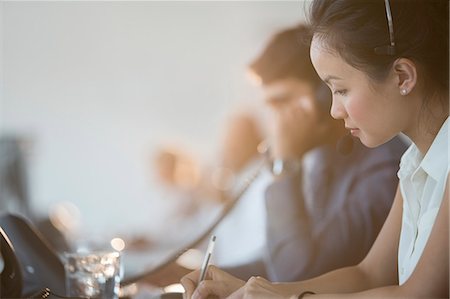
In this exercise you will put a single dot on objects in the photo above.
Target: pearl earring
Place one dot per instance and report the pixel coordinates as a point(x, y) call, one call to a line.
point(403, 91)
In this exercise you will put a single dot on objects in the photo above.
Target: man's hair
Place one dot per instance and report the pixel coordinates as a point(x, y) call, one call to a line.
point(286, 56)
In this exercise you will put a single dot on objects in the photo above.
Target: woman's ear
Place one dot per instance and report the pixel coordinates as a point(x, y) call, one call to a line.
point(405, 71)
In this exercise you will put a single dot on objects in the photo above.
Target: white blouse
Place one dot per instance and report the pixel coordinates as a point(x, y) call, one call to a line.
point(422, 184)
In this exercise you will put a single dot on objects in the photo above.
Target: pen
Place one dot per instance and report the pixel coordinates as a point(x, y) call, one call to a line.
point(209, 252)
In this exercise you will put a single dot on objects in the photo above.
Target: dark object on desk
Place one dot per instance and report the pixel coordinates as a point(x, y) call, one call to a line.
point(37, 262)
point(11, 278)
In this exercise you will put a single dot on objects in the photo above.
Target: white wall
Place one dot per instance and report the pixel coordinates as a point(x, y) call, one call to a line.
point(98, 84)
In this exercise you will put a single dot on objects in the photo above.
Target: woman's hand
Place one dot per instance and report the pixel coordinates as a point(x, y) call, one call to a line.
point(260, 288)
point(217, 283)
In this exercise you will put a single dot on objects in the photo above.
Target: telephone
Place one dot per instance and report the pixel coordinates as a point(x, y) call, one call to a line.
point(32, 268)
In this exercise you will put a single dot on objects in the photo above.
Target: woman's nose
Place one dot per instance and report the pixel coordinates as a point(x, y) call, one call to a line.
point(337, 110)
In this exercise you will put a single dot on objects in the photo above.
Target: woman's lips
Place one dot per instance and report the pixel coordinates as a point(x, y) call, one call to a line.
point(353, 131)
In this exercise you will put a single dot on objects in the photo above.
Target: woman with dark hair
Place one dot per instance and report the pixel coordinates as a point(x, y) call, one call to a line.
point(386, 63)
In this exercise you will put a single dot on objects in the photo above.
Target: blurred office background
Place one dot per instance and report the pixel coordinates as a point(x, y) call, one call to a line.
point(91, 89)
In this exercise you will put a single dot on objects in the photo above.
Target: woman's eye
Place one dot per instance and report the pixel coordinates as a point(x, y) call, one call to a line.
point(340, 92)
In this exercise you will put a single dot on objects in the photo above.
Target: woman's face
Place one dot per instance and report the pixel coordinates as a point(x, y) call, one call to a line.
point(372, 112)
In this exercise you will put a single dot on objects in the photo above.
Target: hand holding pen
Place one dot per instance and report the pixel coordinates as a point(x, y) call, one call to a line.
point(209, 280)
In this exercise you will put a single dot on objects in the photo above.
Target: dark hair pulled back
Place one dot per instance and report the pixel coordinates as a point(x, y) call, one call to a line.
point(354, 28)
